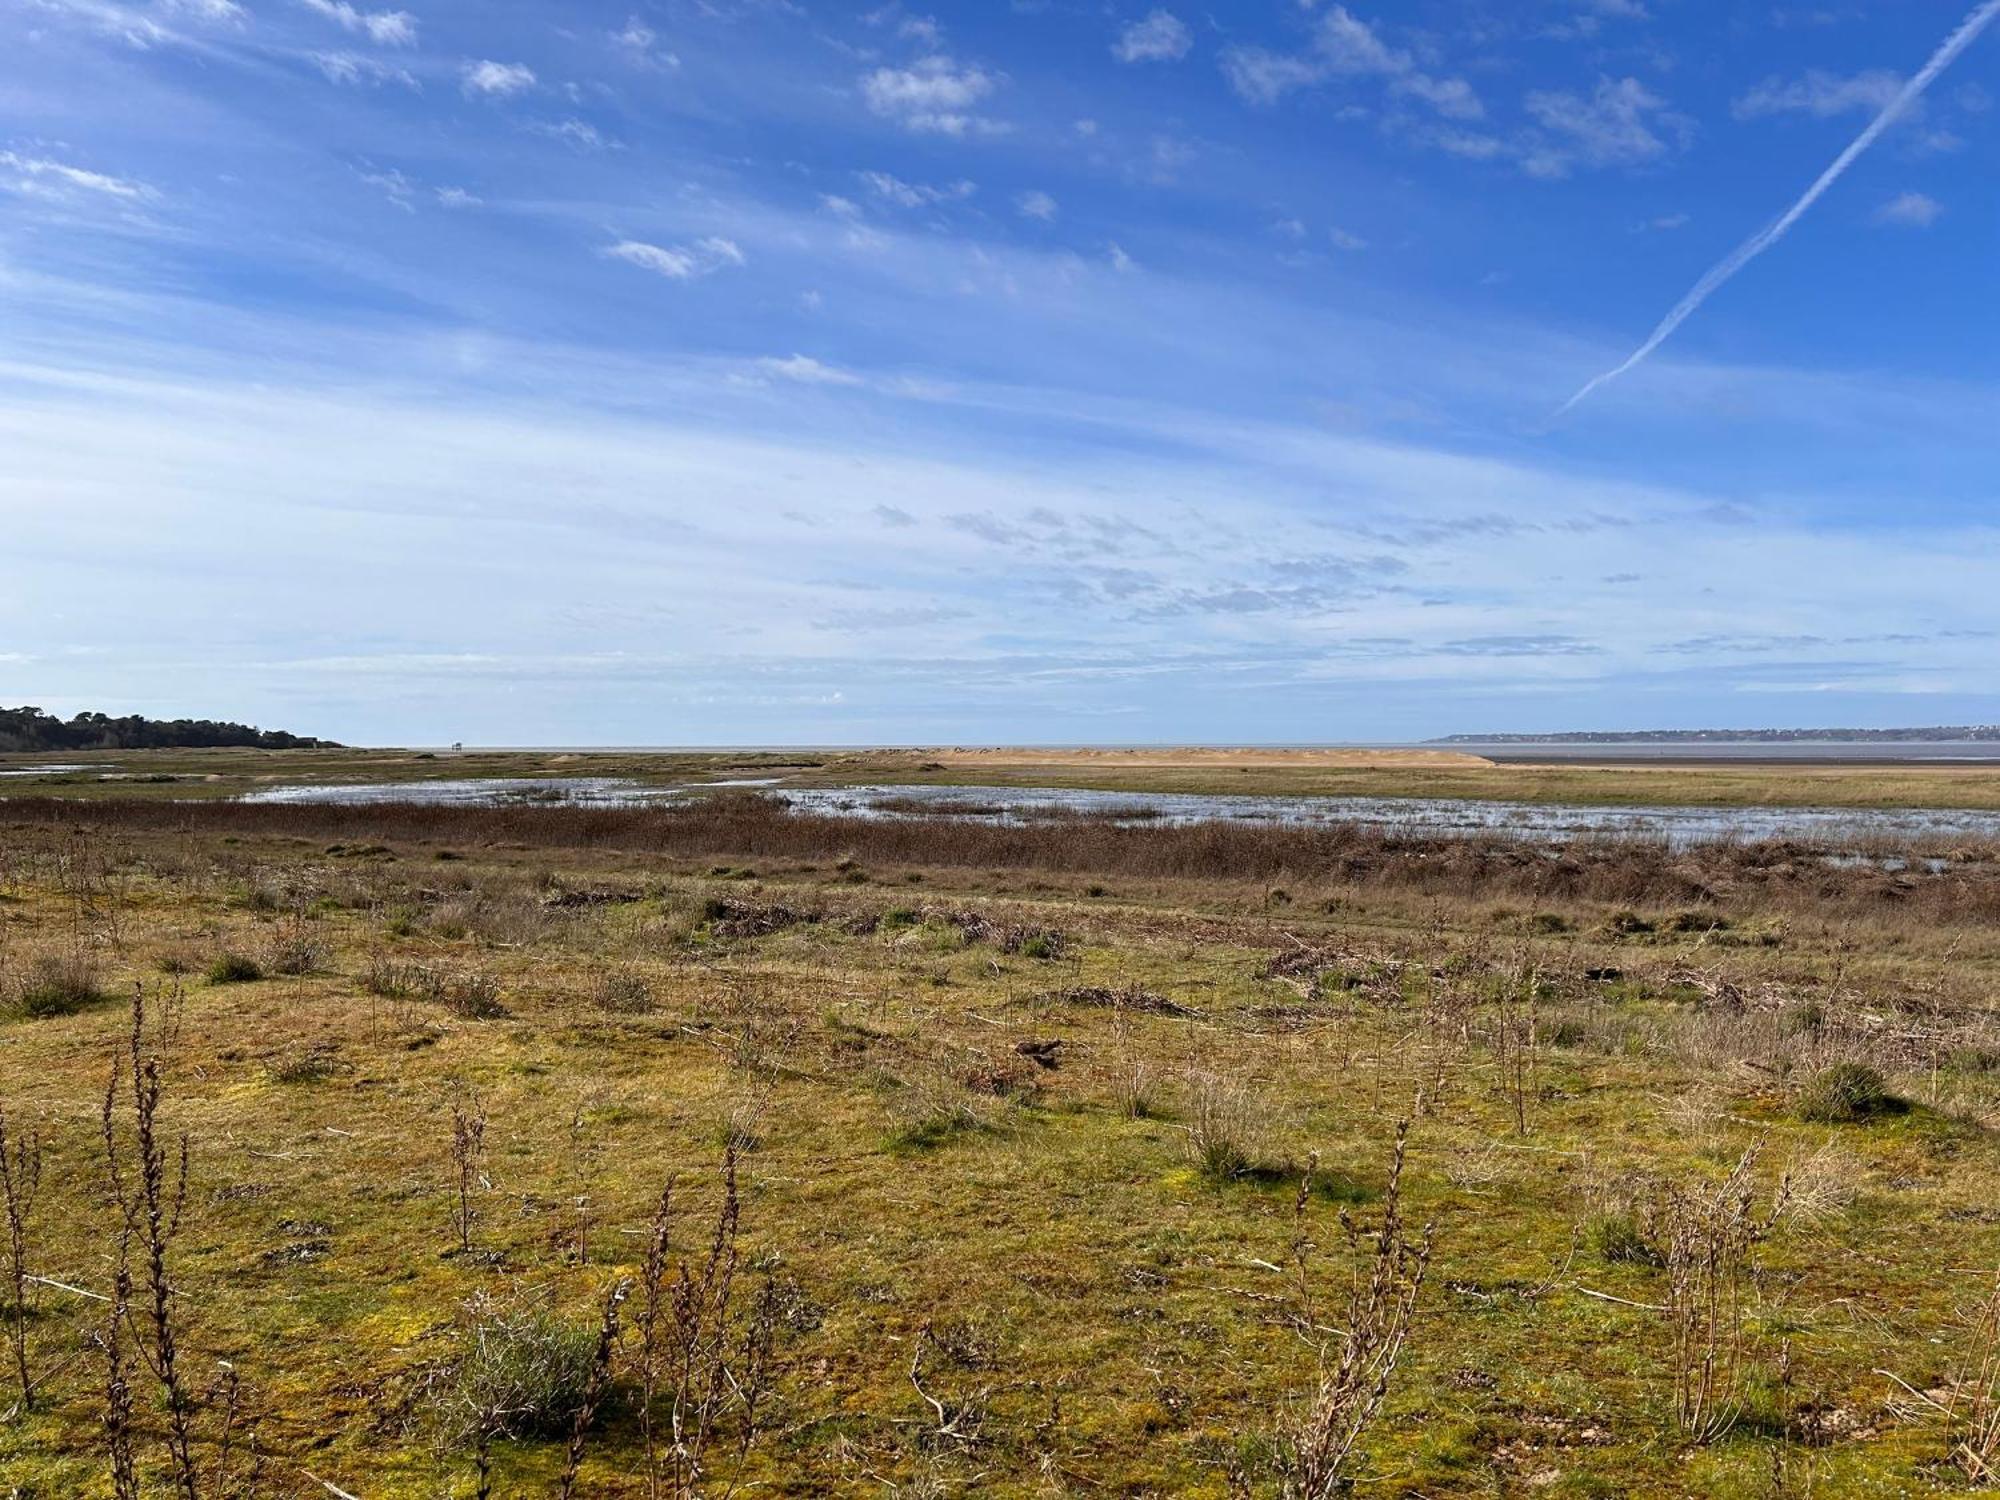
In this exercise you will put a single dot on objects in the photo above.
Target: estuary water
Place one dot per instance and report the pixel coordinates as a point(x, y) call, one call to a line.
point(1440, 817)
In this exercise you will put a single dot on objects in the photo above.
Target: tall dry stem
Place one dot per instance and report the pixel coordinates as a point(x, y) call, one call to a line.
point(1355, 1361)
point(594, 1389)
point(148, 1178)
point(1974, 1413)
point(20, 1182)
point(1709, 1234)
point(468, 1158)
point(705, 1353)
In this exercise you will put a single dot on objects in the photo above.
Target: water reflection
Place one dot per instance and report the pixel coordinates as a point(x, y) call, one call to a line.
point(1442, 817)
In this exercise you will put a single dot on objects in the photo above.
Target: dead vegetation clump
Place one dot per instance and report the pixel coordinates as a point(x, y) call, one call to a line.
point(624, 992)
point(472, 995)
point(737, 917)
point(1027, 939)
point(1134, 999)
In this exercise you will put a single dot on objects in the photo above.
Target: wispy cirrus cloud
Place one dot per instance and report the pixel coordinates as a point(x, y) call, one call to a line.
point(356, 68)
point(916, 195)
point(704, 257)
point(394, 28)
point(803, 369)
point(41, 174)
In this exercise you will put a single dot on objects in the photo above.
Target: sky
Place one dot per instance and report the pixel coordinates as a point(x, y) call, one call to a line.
point(1061, 371)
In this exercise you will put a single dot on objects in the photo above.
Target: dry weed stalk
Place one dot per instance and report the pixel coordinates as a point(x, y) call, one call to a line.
point(1974, 1412)
point(20, 1182)
point(1517, 1040)
point(703, 1352)
point(468, 1157)
point(148, 1181)
point(1708, 1235)
point(1356, 1361)
point(118, 1444)
point(599, 1383)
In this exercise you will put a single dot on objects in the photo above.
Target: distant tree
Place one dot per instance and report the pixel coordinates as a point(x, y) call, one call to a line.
point(30, 728)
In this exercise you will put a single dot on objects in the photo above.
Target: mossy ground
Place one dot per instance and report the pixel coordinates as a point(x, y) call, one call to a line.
point(1117, 1315)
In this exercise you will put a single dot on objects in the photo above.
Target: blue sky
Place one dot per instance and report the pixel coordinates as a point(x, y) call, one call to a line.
point(747, 371)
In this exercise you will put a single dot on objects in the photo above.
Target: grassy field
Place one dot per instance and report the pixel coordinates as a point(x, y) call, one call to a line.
point(1020, 1147)
point(181, 774)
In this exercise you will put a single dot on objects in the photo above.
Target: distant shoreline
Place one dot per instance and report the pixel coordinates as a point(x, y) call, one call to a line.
point(1956, 734)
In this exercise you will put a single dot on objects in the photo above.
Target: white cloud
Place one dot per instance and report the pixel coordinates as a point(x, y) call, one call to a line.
point(395, 186)
point(391, 28)
point(1344, 46)
point(833, 203)
point(1910, 211)
point(1037, 204)
point(1344, 240)
point(1622, 123)
point(934, 95)
point(916, 195)
point(1820, 94)
point(808, 371)
point(210, 10)
point(580, 134)
point(498, 79)
point(457, 197)
point(1161, 37)
point(679, 262)
point(39, 174)
point(1120, 261)
point(1262, 76)
point(638, 40)
point(353, 68)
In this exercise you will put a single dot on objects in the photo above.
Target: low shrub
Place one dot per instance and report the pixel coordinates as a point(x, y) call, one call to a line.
point(57, 984)
point(234, 968)
point(1847, 1093)
point(1620, 1239)
point(474, 996)
point(314, 1063)
point(929, 1121)
point(623, 992)
point(298, 953)
point(523, 1374)
point(1222, 1134)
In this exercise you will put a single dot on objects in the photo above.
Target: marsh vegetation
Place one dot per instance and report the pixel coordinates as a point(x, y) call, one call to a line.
point(547, 1150)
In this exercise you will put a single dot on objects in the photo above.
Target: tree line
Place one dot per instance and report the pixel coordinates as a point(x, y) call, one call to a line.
point(29, 728)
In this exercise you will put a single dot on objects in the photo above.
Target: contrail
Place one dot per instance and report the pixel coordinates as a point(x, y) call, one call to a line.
point(1967, 33)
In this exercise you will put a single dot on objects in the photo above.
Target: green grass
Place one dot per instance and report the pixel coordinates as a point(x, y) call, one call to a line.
point(1113, 1295)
